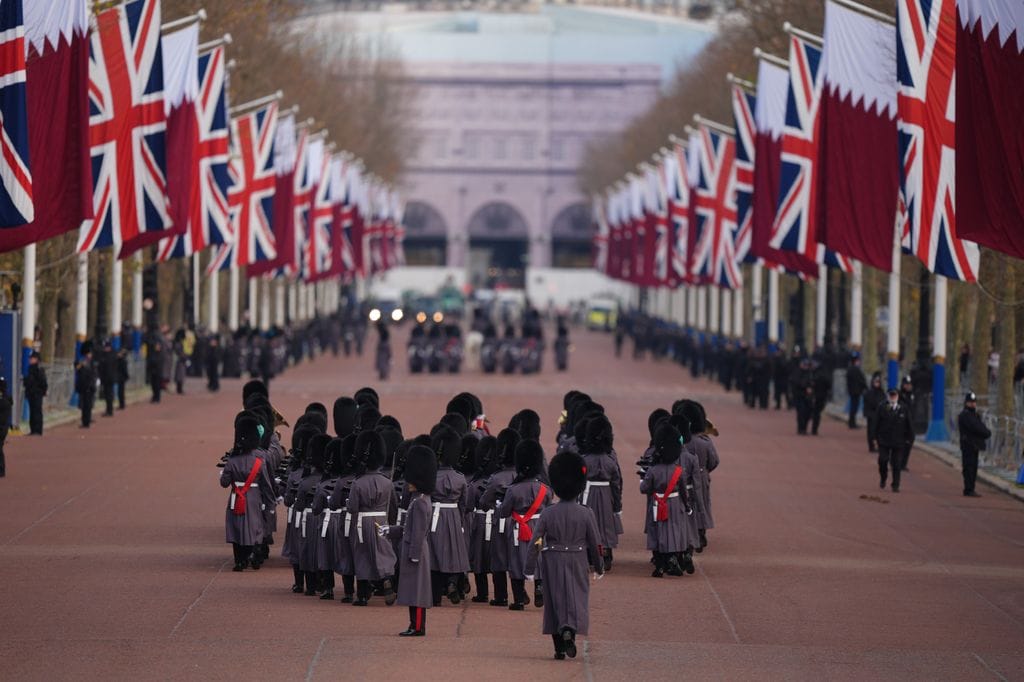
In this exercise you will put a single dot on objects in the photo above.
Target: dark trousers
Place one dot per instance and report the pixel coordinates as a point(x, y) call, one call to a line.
point(439, 584)
point(417, 618)
point(854, 409)
point(3, 458)
point(35, 415)
point(906, 455)
point(242, 552)
point(120, 395)
point(348, 583)
point(500, 582)
point(890, 457)
point(480, 579)
point(157, 385)
point(804, 410)
point(85, 401)
point(970, 462)
point(108, 398)
point(872, 427)
point(519, 592)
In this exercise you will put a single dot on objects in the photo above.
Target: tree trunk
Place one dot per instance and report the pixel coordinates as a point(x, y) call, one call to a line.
point(1006, 316)
point(981, 342)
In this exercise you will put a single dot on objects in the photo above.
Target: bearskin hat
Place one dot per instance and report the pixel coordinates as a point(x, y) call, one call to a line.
point(317, 459)
point(486, 456)
point(247, 432)
point(529, 459)
point(318, 421)
point(467, 460)
point(300, 440)
point(335, 464)
point(398, 464)
point(254, 386)
point(317, 407)
point(529, 425)
point(422, 439)
point(389, 422)
point(655, 418)
point(367, 396)
point(693, 412)
point(447, 445)
point(367, 418)
point(462, 405)
point(508, 439)
point(392, 439)
point(579, 429)
point(568, 474)
point(682, 425)
point(456, 422)
point(478, 407)
point(421, 469)
point(599, 438)
point(667, 445)
point(568, 398)
point(348, 455)
point(369, 451)
point(344, 416)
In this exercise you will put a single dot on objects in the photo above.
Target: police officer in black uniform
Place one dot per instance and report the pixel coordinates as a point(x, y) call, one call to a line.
point(973, 434)
point(895, 435)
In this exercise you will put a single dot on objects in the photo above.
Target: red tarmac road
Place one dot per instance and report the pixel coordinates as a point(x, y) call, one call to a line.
point(113, 565)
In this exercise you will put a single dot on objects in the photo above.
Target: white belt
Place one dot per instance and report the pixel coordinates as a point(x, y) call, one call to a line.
point(291, 512)
point(593, 484)
point(241, 484)
point(348, 523)
point(488, 515)
point(305, 517)
point(298, 518)
point(401, 516)
point(515, 532)
point(365, 515)
point(438, 506)
point(327, 522)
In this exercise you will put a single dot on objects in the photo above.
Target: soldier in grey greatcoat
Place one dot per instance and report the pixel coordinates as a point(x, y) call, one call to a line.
point(309, 529)
point(524, 502)
point(414, 590)
point(290, 548)
point(568, 538)
point(480, 520)
point(244, 473)
point(337, 503)
point(449, 557)
point(707, 461)
point(325, 520)
point(667, 503)
point(370, 502)
point(602, 492)
point(491, 500)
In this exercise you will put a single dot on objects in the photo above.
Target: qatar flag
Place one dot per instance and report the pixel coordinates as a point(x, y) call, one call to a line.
point(181, 88)
point(989, 132)
point(57, 94)
point(770, 118)
point(857, 177)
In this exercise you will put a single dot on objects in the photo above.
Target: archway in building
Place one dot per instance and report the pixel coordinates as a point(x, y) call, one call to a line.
point(572, 236)
point(426, 235)
point(498, 246)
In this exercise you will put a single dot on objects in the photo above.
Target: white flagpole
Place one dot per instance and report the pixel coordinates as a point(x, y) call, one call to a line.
point(691, 306)
point(28, 311)
point(254, 302)
point(892, 342)
point(737, 313)
point(702, 309)
point(757, 294)
point(82, 303)
point(292, 301)
point(196, 293)
point(279, 302)
point(233, 299)
point(713, 309)
point(773, 306)
point(819, 322)
point(937, 429)
point(264, 289)
point(857, 307)
point(137, 293)
point(726, 313)
point(213, 301)
point(116, 302)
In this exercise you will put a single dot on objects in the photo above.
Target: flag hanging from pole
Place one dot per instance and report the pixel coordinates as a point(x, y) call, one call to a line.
point(795, 225)
point(16, 207)
point(926, 106)
point(678, 191)
point(321, 219)
point(714, 199)
point(208, 217)
point(989, 130)
point(127, 131)
point(743, 104)
point(251, 197)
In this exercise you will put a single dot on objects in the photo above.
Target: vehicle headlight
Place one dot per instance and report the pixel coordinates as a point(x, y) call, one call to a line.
point(438, 317)
point(374, 315)
point(396, 314)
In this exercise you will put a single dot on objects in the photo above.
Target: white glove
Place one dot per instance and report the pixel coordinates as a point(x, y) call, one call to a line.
point(598, 576)
point(619, 514)
point(383, 530)
point(529, 577)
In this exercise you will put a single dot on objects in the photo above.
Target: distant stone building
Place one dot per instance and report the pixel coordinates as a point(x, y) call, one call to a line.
point(505, 106)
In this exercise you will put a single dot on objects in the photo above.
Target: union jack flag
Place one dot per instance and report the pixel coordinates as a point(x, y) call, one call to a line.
point(209, 219)
point(16, 206)
point(743, 104)
point(657, 207)
point(251, 197)
point(795, 217)
point(321, 219)
point(715, 210)
point(126, 130)
point(926, 66)
point(678, 191)
point(302, 201)
point(343, 259)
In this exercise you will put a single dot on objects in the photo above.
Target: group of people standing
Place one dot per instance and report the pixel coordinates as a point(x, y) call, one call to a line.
point(411, 520)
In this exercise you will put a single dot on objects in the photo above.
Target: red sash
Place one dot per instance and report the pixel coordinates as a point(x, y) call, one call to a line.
point(525, 532)
point(239, 507)
point(661, 500)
